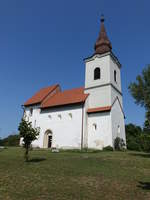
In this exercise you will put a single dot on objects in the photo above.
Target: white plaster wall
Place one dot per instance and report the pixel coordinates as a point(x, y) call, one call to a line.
point(114, 66)
point(85, 124)
point(115, 94)
point(99, 96)
point(101, 91)
point(34, 118)
point(66, 132)
point(117, 118)
point(104, 64)
point(35, 113)
point(102, 136)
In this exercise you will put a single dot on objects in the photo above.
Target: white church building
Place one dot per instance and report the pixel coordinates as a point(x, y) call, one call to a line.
point(88, 117)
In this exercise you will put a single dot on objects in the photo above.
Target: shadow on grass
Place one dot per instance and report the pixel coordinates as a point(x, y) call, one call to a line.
point(35, 160)
point(144, 185)
point(144, 155)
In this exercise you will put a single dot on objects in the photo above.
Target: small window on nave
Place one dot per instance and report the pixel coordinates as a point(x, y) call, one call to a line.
point(70, 115)
point(50, 116)
point(118, 129)
point(95, 127)
point(59, 116)
point(97, 73)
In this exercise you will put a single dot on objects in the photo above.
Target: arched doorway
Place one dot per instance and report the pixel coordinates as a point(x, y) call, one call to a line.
point(47, 139)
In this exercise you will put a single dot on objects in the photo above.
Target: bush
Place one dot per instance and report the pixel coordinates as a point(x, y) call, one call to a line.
point(133, 144)
point(133, 137)
point(108, 148)
point(119, 144)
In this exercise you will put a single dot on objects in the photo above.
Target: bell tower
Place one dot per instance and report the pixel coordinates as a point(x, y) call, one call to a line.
point(104, 116)
point(102, 73)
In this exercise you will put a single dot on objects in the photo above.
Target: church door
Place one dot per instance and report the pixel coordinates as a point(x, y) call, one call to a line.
point(49, 141)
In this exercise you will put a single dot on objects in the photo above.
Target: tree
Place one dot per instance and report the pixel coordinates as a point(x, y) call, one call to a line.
point(137, 138)
point(146, 128)
point(140, 90)
point(1, 142)
point(133, 137)
point(11, 140)
point(28, 134)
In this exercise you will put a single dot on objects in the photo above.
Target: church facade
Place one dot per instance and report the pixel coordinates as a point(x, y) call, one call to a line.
point(88, 117)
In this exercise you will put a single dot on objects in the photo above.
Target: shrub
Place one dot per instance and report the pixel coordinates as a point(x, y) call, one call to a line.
point(119, 144)
point(108, 148)
point(134, 145)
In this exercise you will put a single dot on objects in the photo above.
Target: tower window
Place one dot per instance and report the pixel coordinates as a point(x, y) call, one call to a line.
point(115, 76)
point(97, 73)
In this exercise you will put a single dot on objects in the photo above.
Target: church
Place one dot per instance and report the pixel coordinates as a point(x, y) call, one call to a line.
point(87, 117)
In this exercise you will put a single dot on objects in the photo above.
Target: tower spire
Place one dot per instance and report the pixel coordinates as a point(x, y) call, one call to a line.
point(103, 45)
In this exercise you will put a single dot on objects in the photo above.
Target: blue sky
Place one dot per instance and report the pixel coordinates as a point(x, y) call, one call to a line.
point(43, 42)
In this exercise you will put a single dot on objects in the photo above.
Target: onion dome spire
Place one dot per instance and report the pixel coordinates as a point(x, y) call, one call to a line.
point(103, 45)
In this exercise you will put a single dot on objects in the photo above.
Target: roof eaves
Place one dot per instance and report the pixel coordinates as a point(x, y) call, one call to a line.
point(99, 109)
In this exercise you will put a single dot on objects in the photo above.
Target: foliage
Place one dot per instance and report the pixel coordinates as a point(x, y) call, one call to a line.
point(29, 134)
point(137, 138)
point(133, 137)
point(146, 128)
point(108, 148)
point(140, 90)
point(11, 140)
point(1, 142)
point(119, 144)
point(145, 142)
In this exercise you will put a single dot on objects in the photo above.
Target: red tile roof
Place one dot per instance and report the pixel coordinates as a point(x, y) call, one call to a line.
point(41, 95)
point(99, 109)
point(66, 97)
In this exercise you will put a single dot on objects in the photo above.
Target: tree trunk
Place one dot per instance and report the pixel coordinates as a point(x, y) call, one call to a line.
point(148, 116)
point(27, 153)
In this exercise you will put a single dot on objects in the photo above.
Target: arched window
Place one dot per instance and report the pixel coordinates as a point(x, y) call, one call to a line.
point(97, 73)
point(118, 129)
point(115, 76)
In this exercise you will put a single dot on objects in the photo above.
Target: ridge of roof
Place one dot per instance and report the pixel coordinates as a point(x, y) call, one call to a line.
point(40, 96)
point(66, 97)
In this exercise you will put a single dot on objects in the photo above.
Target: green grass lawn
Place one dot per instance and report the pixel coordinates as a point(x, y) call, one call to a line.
point(74, 176)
